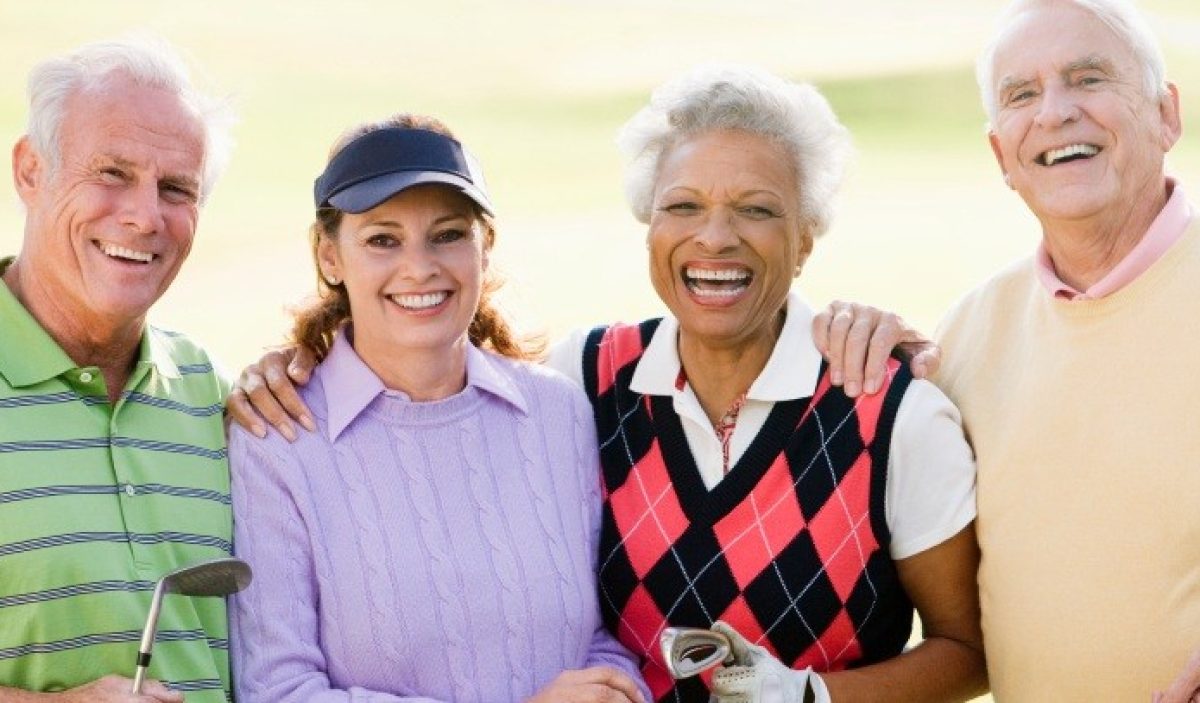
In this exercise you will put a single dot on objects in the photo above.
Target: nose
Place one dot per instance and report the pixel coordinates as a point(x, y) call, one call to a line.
point(418, 264)
point(718, 231)
point(141, 208)
point(1058, 107)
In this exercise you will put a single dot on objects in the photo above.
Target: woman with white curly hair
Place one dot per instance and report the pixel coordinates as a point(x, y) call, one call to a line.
point(743, 490)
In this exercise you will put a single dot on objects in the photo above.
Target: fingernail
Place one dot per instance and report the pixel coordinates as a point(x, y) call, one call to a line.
point(836, 378)
point(258, 431)
point(871, 386)
point(852, 388)
point(288, 431)
point(294, 371)
point(308, 423)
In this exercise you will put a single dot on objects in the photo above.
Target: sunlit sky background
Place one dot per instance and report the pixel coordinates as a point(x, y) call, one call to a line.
point(538, 89)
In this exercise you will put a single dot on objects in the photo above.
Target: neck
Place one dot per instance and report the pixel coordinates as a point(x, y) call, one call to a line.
point(718, 374)
point(108, 345)
point(1085, 251)
point(422, 375)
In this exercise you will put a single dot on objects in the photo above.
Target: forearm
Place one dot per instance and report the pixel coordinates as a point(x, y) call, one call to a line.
point(938, 669)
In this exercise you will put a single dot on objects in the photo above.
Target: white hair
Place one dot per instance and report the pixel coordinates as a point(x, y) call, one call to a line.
point(1120, 16)
point(147, 61)
point(714, 97)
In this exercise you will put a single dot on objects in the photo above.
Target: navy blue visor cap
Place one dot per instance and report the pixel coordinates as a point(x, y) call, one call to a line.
point(379, 164)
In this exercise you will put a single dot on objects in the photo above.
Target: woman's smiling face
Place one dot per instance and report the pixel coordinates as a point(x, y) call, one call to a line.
point(725, 236)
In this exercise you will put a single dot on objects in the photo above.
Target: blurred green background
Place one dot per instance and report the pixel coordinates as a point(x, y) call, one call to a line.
point(538, 88)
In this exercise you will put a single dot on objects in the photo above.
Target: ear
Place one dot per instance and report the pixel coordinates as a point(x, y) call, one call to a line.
point(328, 260)
point(1172, 118)
point(803, 252)
point(994, 142)
point(28, 170)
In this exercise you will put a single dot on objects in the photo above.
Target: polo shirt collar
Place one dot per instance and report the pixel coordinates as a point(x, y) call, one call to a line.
point(155, 351)
point(350, 386)
point(791, 372)
point(30, 355)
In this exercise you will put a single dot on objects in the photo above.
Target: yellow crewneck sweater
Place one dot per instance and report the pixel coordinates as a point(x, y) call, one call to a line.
point(1085, 418)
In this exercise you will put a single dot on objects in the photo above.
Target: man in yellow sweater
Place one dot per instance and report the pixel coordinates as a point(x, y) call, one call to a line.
point(1088, 456)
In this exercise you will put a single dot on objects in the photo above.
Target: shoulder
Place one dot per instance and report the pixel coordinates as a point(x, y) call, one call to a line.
point(190, 360)
point(1012, 281)
point(180, 349)
point(988, 311)
point(537, 380)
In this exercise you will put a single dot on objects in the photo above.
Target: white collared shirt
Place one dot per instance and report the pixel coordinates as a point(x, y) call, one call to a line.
point(930, 493)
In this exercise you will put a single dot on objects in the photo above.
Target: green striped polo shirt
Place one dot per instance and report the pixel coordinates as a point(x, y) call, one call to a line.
point(98, 501)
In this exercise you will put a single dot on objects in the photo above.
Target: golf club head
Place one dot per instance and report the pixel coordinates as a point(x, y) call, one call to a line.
point(216, 577)
point(689, 651)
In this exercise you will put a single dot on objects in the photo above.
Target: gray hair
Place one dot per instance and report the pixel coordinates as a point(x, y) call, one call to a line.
point(715, 97)
point(1120, 16)
point(148, 62)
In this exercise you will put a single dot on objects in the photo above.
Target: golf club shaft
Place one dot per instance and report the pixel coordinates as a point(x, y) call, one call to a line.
point(147, 645)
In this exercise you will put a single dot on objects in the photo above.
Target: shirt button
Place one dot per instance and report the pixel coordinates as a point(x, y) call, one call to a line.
point(130, 490)
point(86, 377)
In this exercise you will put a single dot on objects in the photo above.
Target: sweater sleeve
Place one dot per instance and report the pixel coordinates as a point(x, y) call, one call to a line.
point(277, 657)
point(604, 649)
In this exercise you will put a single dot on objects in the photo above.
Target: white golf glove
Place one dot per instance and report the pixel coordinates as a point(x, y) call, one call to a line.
point(757, 677)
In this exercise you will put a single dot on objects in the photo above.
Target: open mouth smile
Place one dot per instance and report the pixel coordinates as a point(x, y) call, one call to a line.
point(717, 283)
point(420, 301)
point(113, 251)
point(1066, 154)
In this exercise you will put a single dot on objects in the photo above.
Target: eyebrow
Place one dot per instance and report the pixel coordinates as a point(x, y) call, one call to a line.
point(1089, 63)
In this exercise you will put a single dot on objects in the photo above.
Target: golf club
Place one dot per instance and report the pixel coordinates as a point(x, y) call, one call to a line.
point(216, 577)
point(689, 651)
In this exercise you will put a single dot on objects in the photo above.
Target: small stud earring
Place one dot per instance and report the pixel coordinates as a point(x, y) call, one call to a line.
point(332, 280)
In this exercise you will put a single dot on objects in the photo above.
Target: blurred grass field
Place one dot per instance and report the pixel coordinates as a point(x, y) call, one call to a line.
point(538, 88)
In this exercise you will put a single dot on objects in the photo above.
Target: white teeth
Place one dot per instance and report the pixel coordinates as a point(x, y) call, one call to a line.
point(719, 293)
point(122, 253)
point(420, 301)
point(1055, 155)
point(717, 274)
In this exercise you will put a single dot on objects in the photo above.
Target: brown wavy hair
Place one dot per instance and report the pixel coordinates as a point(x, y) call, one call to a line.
point(317, 321)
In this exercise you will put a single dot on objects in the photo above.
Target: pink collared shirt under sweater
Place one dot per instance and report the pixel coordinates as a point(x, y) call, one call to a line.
point(1166, 229)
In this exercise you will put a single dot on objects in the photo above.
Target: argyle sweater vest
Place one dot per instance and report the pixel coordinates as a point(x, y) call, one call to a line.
point(790, 548)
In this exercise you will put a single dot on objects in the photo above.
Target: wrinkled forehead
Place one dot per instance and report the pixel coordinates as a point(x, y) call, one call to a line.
point(136, 122)
point(1050, 38)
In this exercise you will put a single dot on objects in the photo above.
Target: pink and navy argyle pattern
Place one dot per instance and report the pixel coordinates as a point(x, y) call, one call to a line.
point(790, 547)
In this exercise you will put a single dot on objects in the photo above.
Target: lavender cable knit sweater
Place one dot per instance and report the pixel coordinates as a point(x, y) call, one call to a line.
point(440, 551)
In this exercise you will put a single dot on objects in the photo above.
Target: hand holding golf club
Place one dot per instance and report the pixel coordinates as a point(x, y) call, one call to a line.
point(110, 689)
point(757, 677)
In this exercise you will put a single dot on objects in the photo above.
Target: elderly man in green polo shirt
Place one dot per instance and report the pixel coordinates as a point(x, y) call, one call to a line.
point(112, 452)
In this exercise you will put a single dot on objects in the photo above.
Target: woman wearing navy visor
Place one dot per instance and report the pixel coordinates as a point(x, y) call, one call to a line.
point(435, 538)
